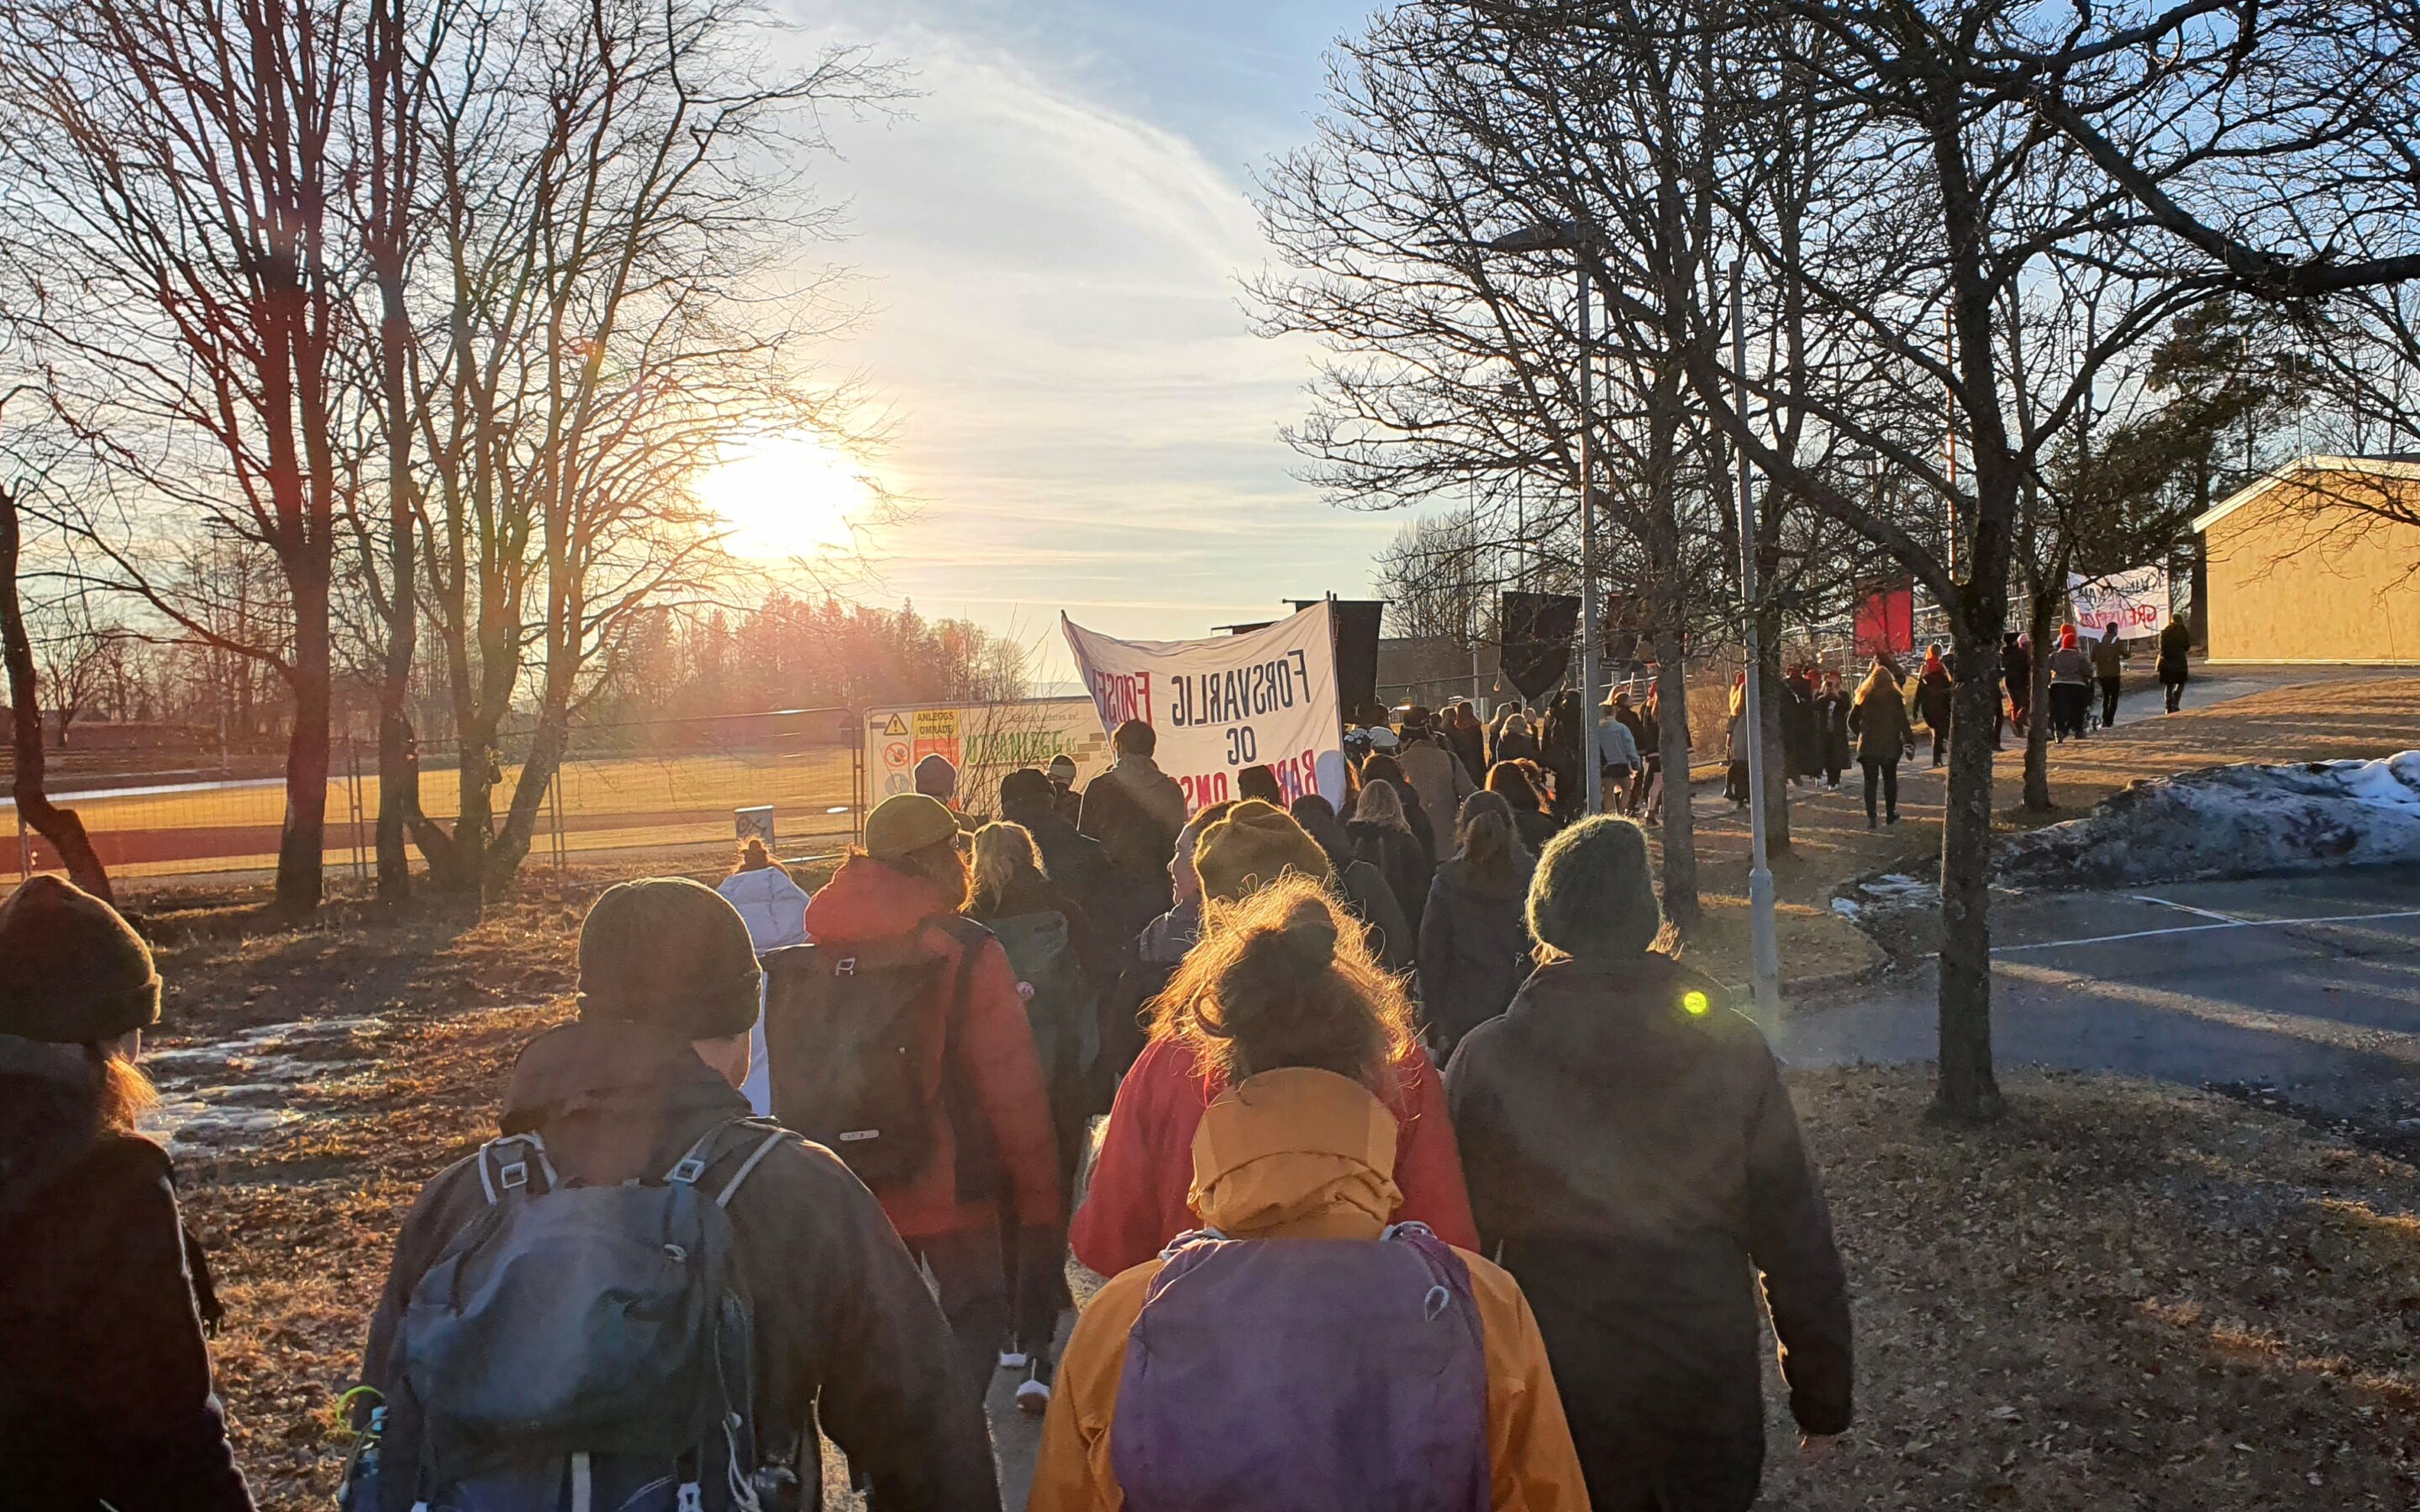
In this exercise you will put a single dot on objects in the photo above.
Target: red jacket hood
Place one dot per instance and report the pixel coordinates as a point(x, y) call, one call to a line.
point(868, 900)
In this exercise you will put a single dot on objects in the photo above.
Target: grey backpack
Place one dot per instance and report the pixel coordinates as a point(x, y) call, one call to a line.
point(585, 1346)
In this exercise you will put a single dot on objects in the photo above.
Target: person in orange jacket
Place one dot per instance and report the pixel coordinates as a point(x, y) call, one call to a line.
point(1137, 1200)
point(910, 881)
point(1160, 1396)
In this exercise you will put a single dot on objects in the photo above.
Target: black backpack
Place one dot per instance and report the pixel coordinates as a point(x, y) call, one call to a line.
point(848, 1040)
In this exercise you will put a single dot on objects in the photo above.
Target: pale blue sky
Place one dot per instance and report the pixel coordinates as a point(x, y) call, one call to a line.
point(1051, 240)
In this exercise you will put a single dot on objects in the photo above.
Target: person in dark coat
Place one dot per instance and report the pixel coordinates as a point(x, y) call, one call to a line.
point(105, 1395)
point(2176, 647)
point(1531, 820)
point(1383, 836)
point(1135, 809)
point(1631, 1148)
point(1832, 721)
point(1383, 769)
point(1559, 750)
point(1467, 735)
point(1474, 939)
point(1516, 738)
point(1802, 741)
point(1078, 867)
point(1933, 690)
point(1362, 886)
point(1064, 795)
point(846, 1334)
point(1878, 719)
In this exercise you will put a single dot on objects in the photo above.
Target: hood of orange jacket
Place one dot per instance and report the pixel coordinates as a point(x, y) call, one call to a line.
point(1305, 1154)
point(1296, 1153)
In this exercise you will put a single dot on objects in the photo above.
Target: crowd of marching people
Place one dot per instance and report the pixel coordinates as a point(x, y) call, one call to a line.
point(1430, 1177)
point(1420, 1171)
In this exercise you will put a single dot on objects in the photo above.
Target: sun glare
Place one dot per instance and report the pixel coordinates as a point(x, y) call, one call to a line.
point(786, 496)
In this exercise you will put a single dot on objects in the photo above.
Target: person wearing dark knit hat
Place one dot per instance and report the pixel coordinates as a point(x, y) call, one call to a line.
point(899, 896)
point(1635, 1162)
point(1256, 843)
point(104, 1300)
point(649, 1072)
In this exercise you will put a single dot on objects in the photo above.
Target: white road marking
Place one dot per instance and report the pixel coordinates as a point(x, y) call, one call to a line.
point(2198, 929)
point(2170, 902)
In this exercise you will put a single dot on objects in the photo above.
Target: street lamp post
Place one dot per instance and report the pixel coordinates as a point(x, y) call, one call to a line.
point(1565, 235)
point(1764, 950)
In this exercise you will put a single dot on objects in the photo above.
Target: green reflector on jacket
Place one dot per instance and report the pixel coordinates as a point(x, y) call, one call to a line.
point(1695, 1002)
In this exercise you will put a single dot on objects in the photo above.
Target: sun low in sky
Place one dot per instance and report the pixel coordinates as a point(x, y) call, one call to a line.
point(797, 495)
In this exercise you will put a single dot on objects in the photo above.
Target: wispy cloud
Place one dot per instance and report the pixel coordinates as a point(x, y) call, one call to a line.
point(1082, 412)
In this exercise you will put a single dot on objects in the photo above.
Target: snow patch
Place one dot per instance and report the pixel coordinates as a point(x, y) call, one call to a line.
point(236, 1094)
point(2231, 821)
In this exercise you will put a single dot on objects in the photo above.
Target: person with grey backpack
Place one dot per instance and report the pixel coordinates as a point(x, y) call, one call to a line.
point(642, 1297)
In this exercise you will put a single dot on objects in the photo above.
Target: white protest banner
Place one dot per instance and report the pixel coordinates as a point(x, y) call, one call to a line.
point(984, 740)
point(1266, 698)
point(2136, 601)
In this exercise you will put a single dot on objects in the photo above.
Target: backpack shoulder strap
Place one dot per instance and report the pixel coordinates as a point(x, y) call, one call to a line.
point(693, 1165)
point(503, 1170)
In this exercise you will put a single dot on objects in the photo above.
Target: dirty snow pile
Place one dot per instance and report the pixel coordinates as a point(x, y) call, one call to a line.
point(2230, 820)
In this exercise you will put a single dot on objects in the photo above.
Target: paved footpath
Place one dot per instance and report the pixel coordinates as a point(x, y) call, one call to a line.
point(2308, 986)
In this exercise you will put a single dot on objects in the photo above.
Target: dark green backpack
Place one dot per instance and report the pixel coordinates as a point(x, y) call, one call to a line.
point(1059, 1003)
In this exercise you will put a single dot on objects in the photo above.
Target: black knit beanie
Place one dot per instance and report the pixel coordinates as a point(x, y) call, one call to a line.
point(1593, 894)
point(670, 953)
point(71, 970)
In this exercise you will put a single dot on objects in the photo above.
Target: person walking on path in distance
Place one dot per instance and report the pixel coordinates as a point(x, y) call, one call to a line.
point(2017, 670)
point(1531, 817)
point(1137, 1200)
point(2070, 685)
point(1738, 734)
point(774, 907)
point(1832, 719)
point(105, 1393)
point(1474, 941)
point(2108, 666)
point(1933, 698)
point(1635, 1163)
point(841, 1330)
point(1618, 749)
point(1878, 718)
point(2175, 645)
point(1361, 885)
point(1295, 1353)
point(1438, 779)
point(978, 1114)
point(1063, 793)
point(1382, 834)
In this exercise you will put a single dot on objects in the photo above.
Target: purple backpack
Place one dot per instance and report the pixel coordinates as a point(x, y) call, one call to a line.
point(1311, 1374)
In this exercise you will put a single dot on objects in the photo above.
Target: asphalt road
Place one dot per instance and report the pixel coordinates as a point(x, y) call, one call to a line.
point(2306, 986)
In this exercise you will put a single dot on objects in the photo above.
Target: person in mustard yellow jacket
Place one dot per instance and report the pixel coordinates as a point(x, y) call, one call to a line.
point(1287, 1002)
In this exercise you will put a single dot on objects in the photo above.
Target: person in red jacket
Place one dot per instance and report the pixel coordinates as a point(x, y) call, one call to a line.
point(911, 881)
point(1138, 1198)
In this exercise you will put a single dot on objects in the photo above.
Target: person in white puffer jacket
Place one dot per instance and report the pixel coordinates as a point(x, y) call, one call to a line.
point(775, 910)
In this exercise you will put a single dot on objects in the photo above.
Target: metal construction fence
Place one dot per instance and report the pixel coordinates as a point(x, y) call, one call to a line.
point(643, 791)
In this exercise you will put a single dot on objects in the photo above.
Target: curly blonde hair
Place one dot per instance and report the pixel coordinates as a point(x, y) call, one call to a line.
point(1284, 978)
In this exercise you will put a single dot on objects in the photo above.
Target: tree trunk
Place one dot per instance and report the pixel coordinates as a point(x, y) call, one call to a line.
point(1680, 818)
point(62, 828)
point(398, 775)
point(2041, 610)
point(301, 845)
point(548, 743)
point(1967, 1088)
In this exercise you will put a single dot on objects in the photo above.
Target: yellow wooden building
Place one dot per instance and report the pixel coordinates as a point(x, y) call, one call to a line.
point(2318, 561)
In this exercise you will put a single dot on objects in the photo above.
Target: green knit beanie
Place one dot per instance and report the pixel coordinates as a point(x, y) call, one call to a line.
point(1593, 894)
point(670, 953)
point(73, 971)
point(1252, 845)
